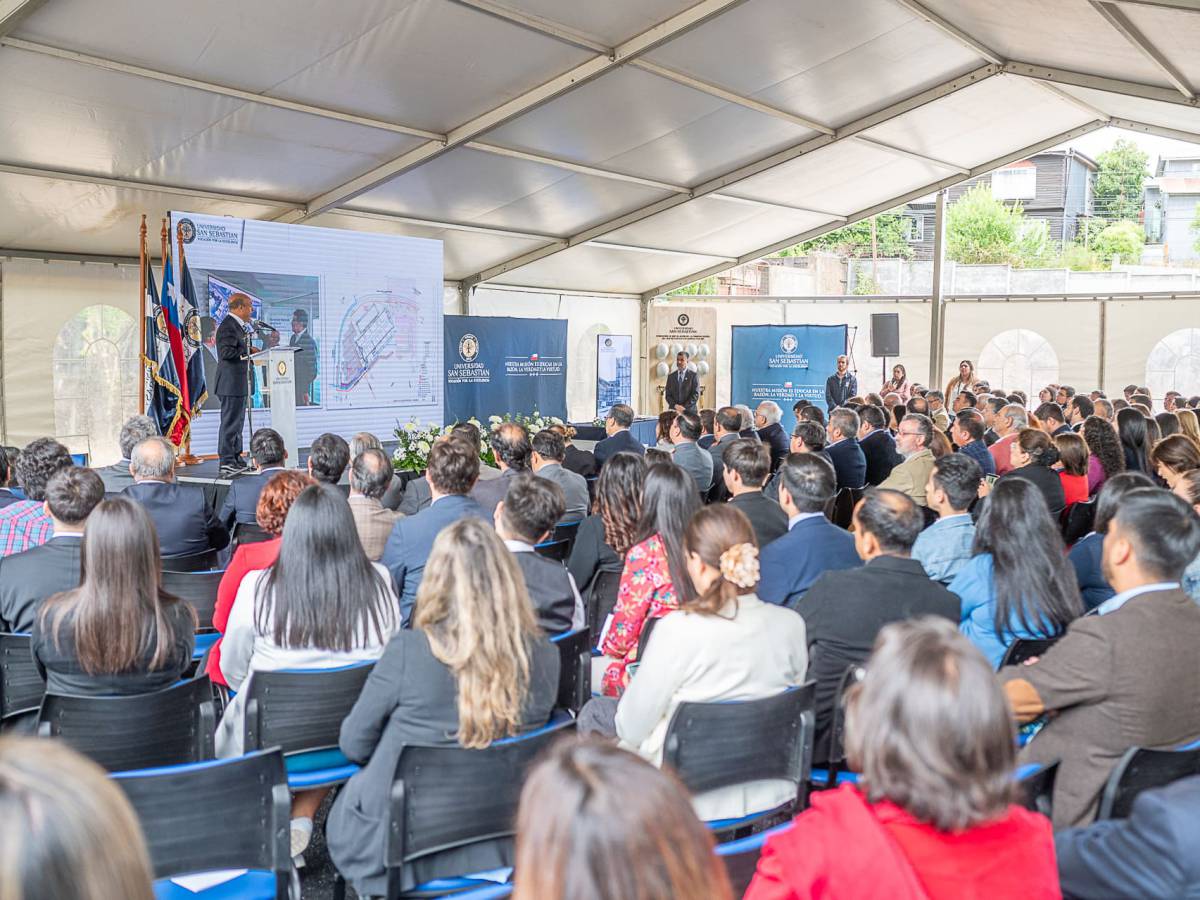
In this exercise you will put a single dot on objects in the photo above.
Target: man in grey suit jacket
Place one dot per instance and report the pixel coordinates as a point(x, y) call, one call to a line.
point(727, 427)
point(1126, 676)
point(549, 449)
point(689, 455)
point(510, 443)
point(117, 477)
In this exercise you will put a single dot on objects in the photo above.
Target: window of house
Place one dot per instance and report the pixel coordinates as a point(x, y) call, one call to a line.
point(914, 229)
point(1174, 364)
point(1017, 182)
point(1019, 359)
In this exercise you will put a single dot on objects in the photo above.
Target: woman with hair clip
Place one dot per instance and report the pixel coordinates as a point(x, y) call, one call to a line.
point(654, 580)
point(598, 823)
point(119, 632)
point(898, 384)
point(722, 644)
point(322, 604)
point(474, 668)
point(1032, 454)
point(1105, 456)
point(960, 382)
point(581, 462)
point(1188, 487)
point(1018, 584)
point(932, 816)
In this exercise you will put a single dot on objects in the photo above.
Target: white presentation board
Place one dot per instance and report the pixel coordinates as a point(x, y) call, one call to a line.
point(365, 308)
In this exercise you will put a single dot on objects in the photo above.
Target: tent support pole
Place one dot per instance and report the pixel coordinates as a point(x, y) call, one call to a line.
point(937, 322)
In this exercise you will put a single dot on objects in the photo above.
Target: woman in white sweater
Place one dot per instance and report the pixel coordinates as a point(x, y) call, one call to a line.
point(724, 645)
point(322, 605)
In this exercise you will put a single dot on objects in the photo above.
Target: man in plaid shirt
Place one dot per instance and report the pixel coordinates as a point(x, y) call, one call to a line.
point(26, 524)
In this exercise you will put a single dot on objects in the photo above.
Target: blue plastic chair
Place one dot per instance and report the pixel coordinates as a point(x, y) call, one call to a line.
point(1141, 769)
point(21, 687)
point(741, 857)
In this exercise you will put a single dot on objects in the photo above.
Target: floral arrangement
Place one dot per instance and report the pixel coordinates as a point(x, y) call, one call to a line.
point(533, 424)
point(415, 441)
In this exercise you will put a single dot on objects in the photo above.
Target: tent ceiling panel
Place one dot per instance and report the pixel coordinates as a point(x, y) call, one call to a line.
point(597, 268)
point(715, 226)
point(482, 188)
point(667, 130)
point(1175, 34)
point(1065, 33)
point(966, 127)
point(609, 23)
point(1139, 109)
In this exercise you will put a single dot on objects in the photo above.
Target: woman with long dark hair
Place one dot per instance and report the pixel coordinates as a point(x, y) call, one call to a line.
point(323, 604)
point(898, 384)
point(1173, 457)
point(119, 632)
point(1131, 429)
point(654, 580)
point(1032, 454)
point(1168, 424)
point(1105, 456)
point(1072, 466)
point(604, 537)
point(662, 431)
point(1019, 583)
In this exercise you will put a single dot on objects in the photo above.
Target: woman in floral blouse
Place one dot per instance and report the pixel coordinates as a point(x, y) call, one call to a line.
point(655, 573)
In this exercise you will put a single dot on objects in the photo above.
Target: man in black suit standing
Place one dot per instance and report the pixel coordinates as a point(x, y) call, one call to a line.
point(305, 362)
point(185, 523)
point(233, 381)
point(241, 501)
point(617, 425)
point(683, 387)
point(26, 579)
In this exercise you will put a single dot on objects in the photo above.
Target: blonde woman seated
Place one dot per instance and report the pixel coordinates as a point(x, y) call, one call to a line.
point(725, 644)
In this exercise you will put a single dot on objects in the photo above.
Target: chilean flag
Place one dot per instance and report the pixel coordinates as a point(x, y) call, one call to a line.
point(182, 420)
point(533, 358)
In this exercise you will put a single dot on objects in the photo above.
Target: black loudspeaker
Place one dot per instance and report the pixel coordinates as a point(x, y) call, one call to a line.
point(885, 334)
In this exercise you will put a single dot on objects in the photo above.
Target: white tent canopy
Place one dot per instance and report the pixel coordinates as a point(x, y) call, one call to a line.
point(575, 146)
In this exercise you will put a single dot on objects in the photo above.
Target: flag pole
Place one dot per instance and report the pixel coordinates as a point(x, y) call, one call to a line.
point(142, 317)
point(185, 458)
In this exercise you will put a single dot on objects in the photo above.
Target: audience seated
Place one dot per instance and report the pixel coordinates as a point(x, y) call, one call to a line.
point(117, 477)
point(1173, 457)
point(1072, 467)
point(728, 424)
point(848, 460)
point(807, 437)
point(581, 462)
point(119, 632)
point(28, 578)
point(524, 518)
point(946, 546)
point(619, 440)
point(1019, 583)
point(1008, 424)
point(599, 823)
point(274, 502)
point(967, 433)
point(1189, 424)
point(6, 480)
point(370, 476)
point(812, 545)
point(748, 429)
point(26, 523)
point(771, 432)
point(747, 464)
point(328, 458)
point(394, 493)
point(877, 444)
point(473, 669)
point(1128, 675)
point(662, 431)
point(932, 816)
point(321, 605)
point(914, 441)
point(1032, 454)
point(453, 471)
point(1131, 428)
point(844, 611)
point(654, 580)
point(417, 495)
point(1087, 554)
point(708, 419)
point(689, 455)
point(69, 831)
point(1168, 424)
point(598, 552)
point(548, 453)
point(1078, 410)
point(1105, 455)
point(1051, 419)
point(183, 520)
point(241, 501)
point(722, 644)
point(510, 444)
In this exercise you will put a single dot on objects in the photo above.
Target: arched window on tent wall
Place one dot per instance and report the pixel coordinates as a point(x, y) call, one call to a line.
point(1174, 364)
point(95, 380)
point(1018, 359)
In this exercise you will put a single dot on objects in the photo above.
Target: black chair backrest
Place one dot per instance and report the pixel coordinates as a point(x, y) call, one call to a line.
point(837, 740)
point(648, 626)
point(164, 728)
point(1037, 790)
point(232, 814)
point(575, 669)
point(197, 588)
point(249, 533)
point(444, 798)
point(21, 687)
point(566, 531)
point(300, 710)
point(1022, 649)
point(556, 550)
point(713, 745)
point(843, 506)
point(1140, 770)
point(1078, 520)
point(196, 562)
point(601, 599)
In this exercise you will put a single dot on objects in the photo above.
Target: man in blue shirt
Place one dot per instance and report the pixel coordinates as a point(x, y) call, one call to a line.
point(945, 546)
point(967, 432)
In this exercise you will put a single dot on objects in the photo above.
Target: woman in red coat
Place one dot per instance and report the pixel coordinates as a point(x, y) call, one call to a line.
point(274, 502)
point(932, 816)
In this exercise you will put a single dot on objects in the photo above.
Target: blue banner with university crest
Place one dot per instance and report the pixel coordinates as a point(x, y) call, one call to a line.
point(784, 363)
point(497, 365)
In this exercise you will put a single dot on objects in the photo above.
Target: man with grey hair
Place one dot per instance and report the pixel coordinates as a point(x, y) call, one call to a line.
point(771, 432)
point(186, 524)
point(914, 438)
point(136, 429)
point(747, 430)
point(848, 459)
point(1007, 423)
point(370, 475)
point(1103, 408)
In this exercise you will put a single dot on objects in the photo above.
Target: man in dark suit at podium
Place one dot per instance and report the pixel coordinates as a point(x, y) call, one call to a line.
point(683, 387)
point(306, 357)
point(233, 381)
